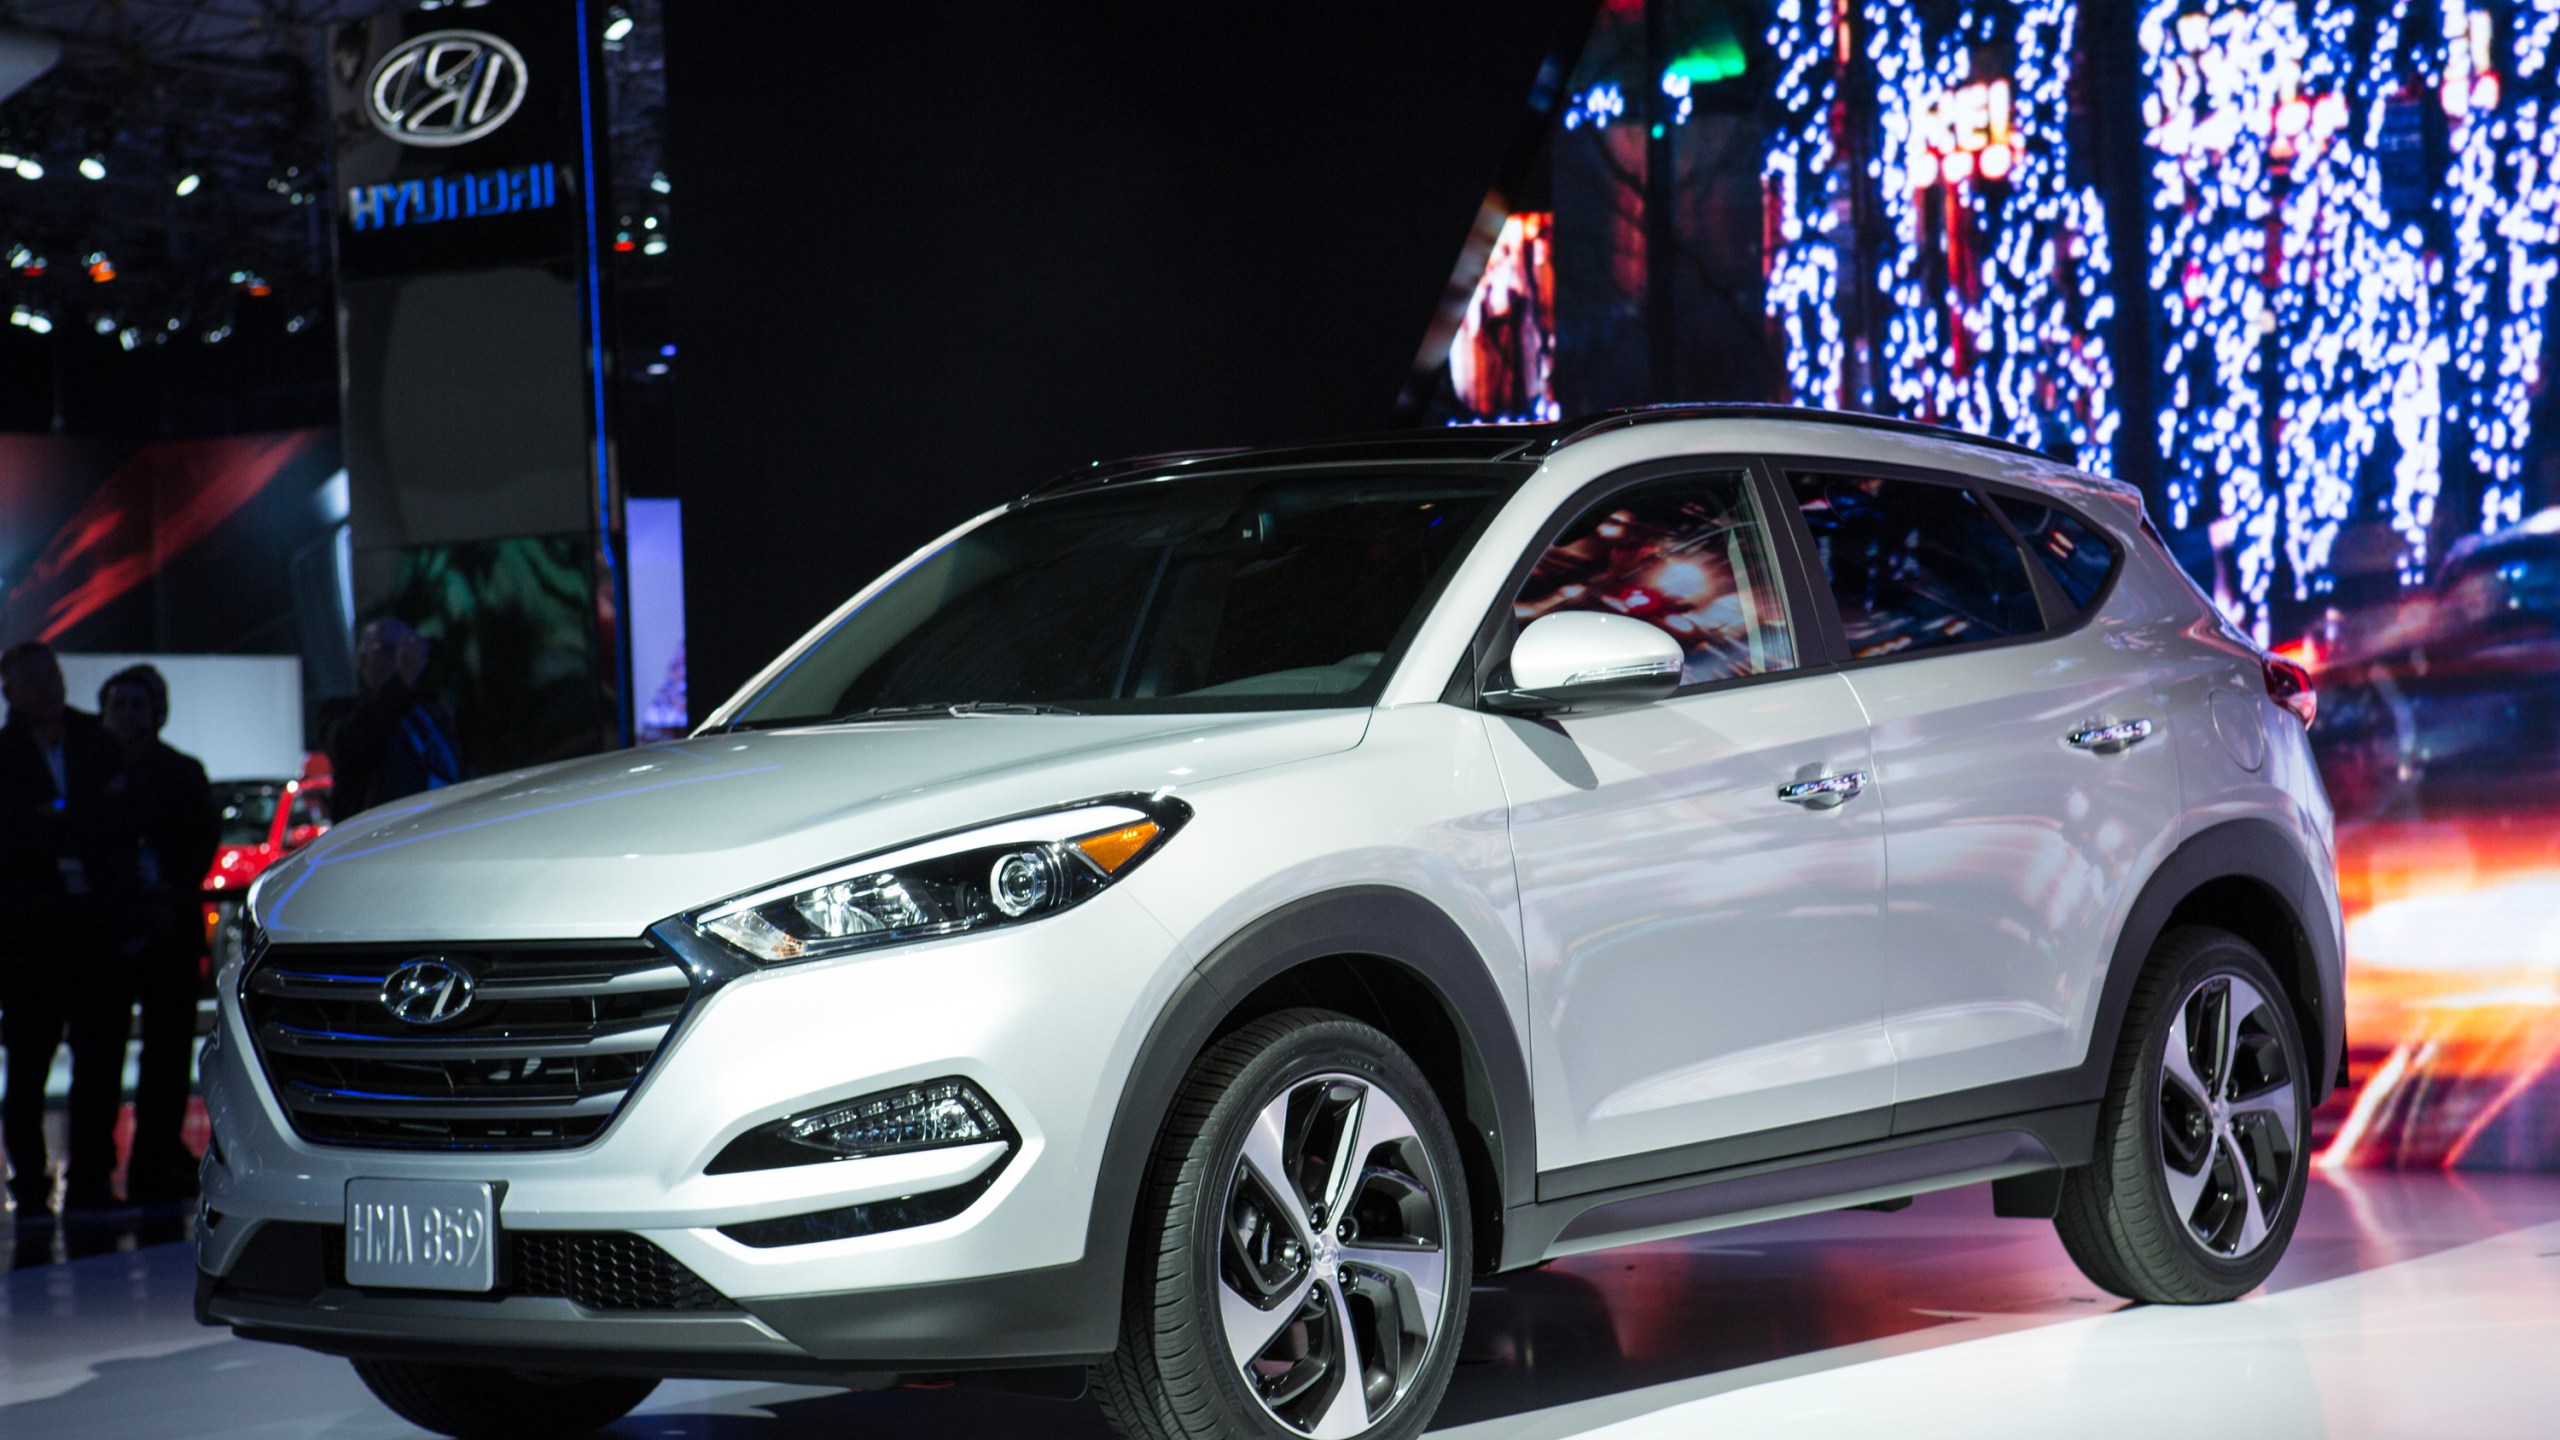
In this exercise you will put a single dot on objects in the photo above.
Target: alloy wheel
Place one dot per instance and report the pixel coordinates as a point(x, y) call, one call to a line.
point(2230, 1117)
point(1332, 1261)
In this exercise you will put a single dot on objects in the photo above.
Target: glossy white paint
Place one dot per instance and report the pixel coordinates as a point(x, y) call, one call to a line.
point(611, 844)
point(1558, 652)
point(1418, 806)
point(1704, 958)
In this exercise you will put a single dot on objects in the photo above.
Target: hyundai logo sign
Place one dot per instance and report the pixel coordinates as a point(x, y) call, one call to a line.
point(428, 991)
point(447, 87)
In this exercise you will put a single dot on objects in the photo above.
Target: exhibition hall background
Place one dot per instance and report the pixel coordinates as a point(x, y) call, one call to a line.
point(786, 291)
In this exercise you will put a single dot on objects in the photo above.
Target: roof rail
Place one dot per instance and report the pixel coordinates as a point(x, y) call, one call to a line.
point(1585, 427)
point(1468, 443)
point(1097, 472)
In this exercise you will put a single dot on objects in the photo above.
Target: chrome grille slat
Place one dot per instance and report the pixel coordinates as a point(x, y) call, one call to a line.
point(304, 985)
point(451, 1107)
point(289, 1040)
point(555, 1038)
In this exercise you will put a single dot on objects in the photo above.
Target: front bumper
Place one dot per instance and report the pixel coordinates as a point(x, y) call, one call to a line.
point(1045, 1018)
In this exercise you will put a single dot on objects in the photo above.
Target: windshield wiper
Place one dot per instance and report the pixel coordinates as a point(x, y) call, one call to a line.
point(964, 709)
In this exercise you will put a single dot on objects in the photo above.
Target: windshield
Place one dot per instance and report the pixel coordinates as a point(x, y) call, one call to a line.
point(1225, 592)
point(248, 810)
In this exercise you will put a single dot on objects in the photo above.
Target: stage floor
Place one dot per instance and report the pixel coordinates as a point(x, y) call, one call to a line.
point(2410, 1305)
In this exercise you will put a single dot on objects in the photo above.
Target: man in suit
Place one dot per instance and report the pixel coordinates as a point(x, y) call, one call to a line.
point(394, 742)
point(162, 798)
point(58, 974)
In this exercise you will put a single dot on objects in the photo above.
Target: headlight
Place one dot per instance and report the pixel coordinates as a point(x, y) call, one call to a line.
point(1000, 874)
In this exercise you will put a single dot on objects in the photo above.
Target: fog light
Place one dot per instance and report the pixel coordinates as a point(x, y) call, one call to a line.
point(932, 1116)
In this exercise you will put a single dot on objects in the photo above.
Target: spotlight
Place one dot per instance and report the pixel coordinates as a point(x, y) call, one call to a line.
point(617, 28)
point(188, 184)
point(29, 169)
point(93, 167)
point(40, 324)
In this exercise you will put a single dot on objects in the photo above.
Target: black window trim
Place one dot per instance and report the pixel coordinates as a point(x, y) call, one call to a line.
point(2049, 597)
point(1812, 636)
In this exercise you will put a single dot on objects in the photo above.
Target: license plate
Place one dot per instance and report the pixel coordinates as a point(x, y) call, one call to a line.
point(422, 1234)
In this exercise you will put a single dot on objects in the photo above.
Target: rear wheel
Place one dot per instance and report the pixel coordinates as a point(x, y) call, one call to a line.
point(2203, 1141)
point(1303, 1246)
point(474, 1402)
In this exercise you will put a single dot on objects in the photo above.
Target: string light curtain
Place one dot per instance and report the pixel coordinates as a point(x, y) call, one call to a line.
point(1991, 292)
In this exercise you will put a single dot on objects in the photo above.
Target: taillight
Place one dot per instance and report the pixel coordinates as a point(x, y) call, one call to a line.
point(2289, 685)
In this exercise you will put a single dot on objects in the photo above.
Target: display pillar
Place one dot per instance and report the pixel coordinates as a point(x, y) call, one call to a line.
point(471, 334)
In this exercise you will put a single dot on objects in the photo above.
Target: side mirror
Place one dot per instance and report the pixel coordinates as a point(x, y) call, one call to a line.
point(1584, 661)
point(301, 835)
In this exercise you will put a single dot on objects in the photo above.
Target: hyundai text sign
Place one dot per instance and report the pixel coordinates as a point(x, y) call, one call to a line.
point(451, 197)
point(446, 87)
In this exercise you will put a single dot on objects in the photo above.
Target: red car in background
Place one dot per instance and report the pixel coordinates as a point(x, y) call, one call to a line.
point(263, 821)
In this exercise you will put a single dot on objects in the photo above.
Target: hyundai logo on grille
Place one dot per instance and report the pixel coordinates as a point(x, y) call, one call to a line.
point(428, 991)
point(447, 87)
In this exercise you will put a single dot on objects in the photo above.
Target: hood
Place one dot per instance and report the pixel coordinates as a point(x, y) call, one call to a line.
point(609, 845)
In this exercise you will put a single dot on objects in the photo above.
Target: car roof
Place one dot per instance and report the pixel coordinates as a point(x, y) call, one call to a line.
point(1489, 444)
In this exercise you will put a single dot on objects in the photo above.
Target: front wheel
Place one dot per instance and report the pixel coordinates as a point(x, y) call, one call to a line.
point(2203, 1139)
point(1303, 1245)
point(474, 1402)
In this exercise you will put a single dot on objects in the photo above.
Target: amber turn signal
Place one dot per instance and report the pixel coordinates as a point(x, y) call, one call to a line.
point(1114, 848)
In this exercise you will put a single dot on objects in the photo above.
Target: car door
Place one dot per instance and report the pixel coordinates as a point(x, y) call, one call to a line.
point(2023, 762)
point(1704, 957)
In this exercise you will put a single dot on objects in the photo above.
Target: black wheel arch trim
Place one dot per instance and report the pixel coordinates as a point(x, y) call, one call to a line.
point(2248, 849)
point(1380, 922)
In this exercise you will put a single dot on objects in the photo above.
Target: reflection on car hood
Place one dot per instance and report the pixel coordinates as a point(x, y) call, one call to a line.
point(608, 845)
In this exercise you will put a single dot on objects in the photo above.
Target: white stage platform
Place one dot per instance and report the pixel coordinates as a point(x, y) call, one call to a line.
point(2410, 1305)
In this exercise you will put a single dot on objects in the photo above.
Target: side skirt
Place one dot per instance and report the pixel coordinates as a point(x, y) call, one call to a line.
point(2038, 1142)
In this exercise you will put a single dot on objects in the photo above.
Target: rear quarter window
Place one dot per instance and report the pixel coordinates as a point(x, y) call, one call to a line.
point(2071, 550)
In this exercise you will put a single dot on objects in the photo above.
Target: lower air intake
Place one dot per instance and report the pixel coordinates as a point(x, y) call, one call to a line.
point(609, 1272)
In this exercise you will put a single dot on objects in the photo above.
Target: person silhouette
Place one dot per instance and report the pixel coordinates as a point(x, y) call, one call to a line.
point(58, 973)
point(165, 806)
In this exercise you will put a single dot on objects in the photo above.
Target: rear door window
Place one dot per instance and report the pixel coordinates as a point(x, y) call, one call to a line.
point(1915, 566)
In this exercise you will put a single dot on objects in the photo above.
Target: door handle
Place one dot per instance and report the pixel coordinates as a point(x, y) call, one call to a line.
point(2110, 739)
point(1826, 793)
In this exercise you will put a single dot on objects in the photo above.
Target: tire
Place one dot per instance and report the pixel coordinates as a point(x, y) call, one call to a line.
point(476, 1402)
point(1242, 1222)
point(2201, 1159)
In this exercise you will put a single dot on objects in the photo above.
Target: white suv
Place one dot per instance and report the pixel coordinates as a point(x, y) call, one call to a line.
point(1182, 926)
